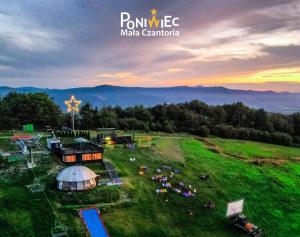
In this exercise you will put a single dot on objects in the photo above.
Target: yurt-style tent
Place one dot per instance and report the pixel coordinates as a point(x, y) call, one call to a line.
point(76, 178)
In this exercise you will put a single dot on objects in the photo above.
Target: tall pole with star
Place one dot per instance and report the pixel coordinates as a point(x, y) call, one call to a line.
point(73, 107)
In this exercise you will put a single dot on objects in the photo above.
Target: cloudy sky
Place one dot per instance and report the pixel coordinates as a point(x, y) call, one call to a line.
point(248, 44)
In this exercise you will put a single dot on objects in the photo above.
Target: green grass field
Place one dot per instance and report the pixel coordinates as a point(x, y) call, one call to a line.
point(271, 191)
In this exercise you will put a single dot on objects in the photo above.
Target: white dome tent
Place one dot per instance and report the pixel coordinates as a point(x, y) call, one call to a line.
point(76, 178)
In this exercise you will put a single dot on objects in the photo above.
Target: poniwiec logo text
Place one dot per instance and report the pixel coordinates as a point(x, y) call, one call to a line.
point(155, 26)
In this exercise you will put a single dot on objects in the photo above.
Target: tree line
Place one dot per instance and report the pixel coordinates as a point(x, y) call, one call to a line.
point(194, 117)
point(70, 133)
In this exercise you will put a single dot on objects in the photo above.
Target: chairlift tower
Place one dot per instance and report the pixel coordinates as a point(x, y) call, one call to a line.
point(30, 162)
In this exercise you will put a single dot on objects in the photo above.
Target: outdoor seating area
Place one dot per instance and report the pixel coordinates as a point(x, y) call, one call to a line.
point(166, 177)
point(172, 186)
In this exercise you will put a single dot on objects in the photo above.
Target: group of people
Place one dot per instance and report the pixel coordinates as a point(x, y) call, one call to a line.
point(179, 187)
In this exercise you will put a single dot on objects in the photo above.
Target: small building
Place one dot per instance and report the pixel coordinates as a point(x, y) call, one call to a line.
point(53, 143)
point(76, 178)
point(81, 151)
point(109, 136)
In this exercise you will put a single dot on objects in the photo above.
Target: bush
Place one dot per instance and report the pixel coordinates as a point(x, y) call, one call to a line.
point(243, 133)
point(203, 131)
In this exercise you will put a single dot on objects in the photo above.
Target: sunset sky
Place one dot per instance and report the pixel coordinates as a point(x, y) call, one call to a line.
point(245, 44)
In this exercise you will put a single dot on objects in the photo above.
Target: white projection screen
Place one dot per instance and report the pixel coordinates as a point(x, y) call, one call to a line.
point(235, 207)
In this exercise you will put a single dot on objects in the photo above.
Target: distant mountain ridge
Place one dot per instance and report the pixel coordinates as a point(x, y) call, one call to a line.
point(283, 102)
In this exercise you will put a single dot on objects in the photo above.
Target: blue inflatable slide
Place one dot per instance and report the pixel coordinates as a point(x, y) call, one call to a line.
point(93, 222)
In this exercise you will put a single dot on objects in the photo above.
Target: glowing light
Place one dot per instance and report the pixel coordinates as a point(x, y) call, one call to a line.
point(73, 104)
point(153, 11)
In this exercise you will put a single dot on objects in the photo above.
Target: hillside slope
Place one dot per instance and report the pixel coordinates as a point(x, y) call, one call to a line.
point(271, 191)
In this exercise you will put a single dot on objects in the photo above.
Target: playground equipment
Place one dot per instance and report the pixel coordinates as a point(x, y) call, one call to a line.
point(25, 144)
point(25, 140)
point(20, 141)
point(145, 141)
point(236, 217)
point(93, 222)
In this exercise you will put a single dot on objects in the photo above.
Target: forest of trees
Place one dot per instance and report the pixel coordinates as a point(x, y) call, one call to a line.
point(195, 117)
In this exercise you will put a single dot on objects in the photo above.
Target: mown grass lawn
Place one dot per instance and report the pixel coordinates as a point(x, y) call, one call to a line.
point(271, 192)
point(248, 149)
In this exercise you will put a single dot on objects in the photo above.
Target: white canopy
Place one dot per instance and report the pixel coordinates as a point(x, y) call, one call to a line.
point(76, 173)
point(81, 140)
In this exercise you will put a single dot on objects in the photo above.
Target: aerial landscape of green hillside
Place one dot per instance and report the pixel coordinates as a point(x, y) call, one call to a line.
point(138, 118)
point(270, 188)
